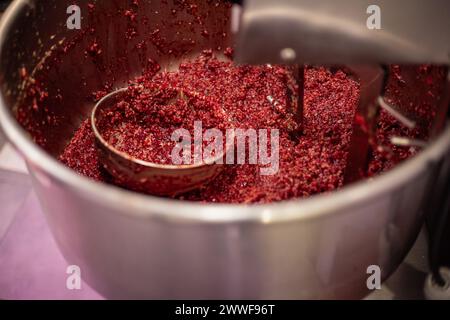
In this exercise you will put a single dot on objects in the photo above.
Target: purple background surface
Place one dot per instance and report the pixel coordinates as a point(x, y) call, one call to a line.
point(31, 266)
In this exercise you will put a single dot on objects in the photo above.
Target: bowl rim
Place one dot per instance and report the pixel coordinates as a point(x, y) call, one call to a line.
point(144, 206)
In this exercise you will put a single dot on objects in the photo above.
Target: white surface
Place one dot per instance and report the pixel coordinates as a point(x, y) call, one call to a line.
point(10, 160)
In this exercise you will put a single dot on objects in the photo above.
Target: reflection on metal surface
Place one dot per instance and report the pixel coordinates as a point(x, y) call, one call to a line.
point(396, 114)
point(407, 142)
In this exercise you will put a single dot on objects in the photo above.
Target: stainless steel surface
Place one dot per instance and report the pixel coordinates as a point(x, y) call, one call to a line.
point(32, 267)
point(336, 32)
point(24, 274)
point(144, 176)
point(131, 245)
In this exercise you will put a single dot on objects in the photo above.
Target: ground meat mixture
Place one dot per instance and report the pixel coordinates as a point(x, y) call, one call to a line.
point(141, 120)
point(310, 162)
point(312, 153)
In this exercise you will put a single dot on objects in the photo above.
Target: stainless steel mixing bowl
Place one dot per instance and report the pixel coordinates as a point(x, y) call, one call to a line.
point(130, 245)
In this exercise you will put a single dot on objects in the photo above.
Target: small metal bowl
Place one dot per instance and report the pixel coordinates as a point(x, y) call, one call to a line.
point(149, 177)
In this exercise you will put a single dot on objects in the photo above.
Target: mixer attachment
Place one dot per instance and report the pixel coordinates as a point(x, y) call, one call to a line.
point(372, 99)
point(330, 32)
point(364, 125)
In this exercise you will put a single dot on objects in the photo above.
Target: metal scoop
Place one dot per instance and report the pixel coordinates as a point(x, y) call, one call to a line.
point(144, 176)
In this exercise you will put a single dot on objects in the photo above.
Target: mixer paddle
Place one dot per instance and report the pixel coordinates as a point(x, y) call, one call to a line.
point(364, 124)
point(333, 32)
